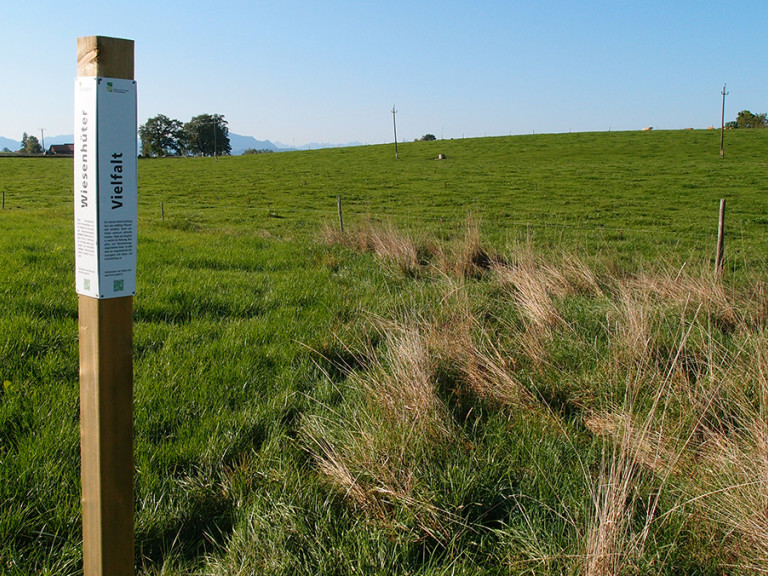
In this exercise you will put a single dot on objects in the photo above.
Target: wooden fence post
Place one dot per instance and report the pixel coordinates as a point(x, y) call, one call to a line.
point(106, 378)
point(341, 217)
point(720, 257)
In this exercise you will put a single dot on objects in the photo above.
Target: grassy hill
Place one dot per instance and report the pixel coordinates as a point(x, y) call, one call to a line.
point(515, 360)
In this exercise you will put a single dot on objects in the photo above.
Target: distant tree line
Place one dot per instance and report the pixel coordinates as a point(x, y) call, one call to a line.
point(30, 146)
point(259, 151)
point(745, 119)
point(203, 135)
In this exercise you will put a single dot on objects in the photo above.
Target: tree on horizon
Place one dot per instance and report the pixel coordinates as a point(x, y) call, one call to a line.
point(30, 145)
point(746, 119)
point(207, 135)
point(162, 136)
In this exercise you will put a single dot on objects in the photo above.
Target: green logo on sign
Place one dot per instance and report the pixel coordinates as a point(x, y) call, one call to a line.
point(117, 285)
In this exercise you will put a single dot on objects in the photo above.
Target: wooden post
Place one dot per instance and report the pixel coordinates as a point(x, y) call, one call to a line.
point(106, 384)
point(162, 211)
point(720, 240)
point(341, 217)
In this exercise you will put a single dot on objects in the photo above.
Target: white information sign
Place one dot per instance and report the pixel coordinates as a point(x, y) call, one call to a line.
point(106, 187)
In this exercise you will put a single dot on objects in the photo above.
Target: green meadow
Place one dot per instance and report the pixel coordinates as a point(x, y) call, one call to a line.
point(515, 360)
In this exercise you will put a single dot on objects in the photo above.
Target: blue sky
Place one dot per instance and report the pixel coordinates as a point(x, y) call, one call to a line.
point(299, 71)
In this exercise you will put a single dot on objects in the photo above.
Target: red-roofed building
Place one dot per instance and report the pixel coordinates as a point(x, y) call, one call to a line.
point(62, 150)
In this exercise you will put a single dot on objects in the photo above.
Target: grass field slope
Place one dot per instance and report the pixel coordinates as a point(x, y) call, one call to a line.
point(514, 360)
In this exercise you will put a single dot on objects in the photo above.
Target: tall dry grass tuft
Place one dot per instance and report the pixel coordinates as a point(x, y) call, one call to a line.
point(636, 451)
point(633, 328)
point(533, 294)
point(607, 537)
point(687, 290)
point(337, 468)
point(459, 344)
point(537, 283)
point(377, 470)
point(756, 309)
point(647, 308)
point(372, 456)
point(727, 476)
point(404, 384)
point(577, 277)
point(651, 433)
point(705, 431)
point(468, 258)
point(398, 250)
point(486, 373)
point(489, 375)
point(731, 487)
point(395, 248)
point(465, 258)
point(332, 235)
point(531, 287)
point(756, 371)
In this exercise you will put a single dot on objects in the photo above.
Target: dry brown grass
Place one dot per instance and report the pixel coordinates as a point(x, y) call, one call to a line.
point(536, 284)
point(727, 476)
point(532, 292)
point(686, 355)
point(607, 537)
point(404, 382)
point(398, 250)
point(533, 288)
point(395, 248)
point(636, 447)
point(486, 373)
point(648, 446)
point(686, 290)
point(731, 487)
point(372, 457)
point(466, 258)
point(578, 277)
point(706, 432)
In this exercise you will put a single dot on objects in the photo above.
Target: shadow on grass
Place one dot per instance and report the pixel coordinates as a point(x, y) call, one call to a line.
point(205, 524)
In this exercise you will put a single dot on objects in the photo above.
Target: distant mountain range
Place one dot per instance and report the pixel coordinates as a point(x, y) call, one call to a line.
point(238, 142)
point(312, 146)
point(14, 145)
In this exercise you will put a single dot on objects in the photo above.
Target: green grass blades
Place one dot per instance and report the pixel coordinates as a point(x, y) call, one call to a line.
point(515, 360)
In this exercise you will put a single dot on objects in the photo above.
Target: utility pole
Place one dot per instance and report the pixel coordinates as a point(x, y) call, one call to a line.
point(722, 123)
point(42, 137)
point(394, 123)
